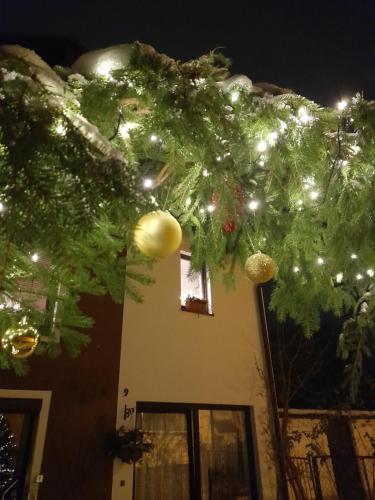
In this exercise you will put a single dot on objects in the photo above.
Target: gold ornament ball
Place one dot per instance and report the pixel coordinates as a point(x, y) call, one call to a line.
point(260, 268)
point(157, 234)
point(20, 341)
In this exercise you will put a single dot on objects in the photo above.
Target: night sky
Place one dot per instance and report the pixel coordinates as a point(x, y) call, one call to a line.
point(324, 50)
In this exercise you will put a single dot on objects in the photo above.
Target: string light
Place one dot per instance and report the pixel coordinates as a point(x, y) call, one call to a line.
point(201, 210)
point(359, 276)
point(218, 158)
point(354, 256)
point(303, 115)
point(188, 201)
point(210, 208)
point(60, 129)
point(234, 96)
point(261, 163)
point(314, 195)
point(205, 173)
point(35, 257)
point(370, 272)
point(262, 146)
point(148, 183)
point(341, 105)
point(320, 261)
point(153, 138)
point(125, 128)
point(339, 277)
point(296, 269)
point(2, 207)
point(253, 205)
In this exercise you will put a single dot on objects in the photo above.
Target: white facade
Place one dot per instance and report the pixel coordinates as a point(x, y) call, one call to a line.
point(174, 356)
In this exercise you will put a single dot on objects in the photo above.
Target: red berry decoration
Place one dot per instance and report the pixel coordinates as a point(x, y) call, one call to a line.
point(229, 226)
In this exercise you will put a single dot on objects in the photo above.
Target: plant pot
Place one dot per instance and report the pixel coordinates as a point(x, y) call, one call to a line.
point(199, 306)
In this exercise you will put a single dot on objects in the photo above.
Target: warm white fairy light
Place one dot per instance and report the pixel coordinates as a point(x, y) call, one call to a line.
point(296, 269)
point(153, 138)
point(210, 209)
point(16, 306)
point(341, 105)
point(314, 195)
point(299, 203)
point(253, 205)
point(148, 183)
point(320, 261)
point(261, 163)
point(234, 96)
point(2, 207)
point(370, 272)
point(261, 146)
point(344, 163)
point(60, 129)
point(125, 128)
point(359, 276)
point(35, 257)
point(354, 256)
point(201, 210)
point(339, 277)
point(218, 158)
point(188, 201)
point(205, 173)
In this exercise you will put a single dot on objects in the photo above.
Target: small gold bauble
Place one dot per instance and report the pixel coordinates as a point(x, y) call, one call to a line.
point(20, 341)
point(260, 268)
point(157, 234)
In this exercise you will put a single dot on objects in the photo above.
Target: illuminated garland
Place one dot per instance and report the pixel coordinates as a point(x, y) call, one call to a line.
point(244, 168)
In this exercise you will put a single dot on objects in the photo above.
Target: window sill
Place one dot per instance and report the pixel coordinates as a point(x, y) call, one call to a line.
point(183, 308)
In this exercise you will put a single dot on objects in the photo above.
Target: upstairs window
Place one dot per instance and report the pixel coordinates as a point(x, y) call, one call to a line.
point(195, 293)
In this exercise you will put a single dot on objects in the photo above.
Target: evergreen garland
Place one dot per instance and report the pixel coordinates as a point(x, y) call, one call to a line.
point(75, 150)
point(7, 457)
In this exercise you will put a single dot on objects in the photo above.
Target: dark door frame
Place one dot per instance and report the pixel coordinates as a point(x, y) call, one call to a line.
point(30, 408)
point(191, 412)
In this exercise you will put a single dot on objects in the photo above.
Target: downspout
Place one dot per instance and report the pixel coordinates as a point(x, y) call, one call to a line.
point(280, 465)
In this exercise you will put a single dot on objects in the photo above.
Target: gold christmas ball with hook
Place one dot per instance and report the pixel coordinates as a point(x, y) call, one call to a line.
point(20, 341)
point(157, 234)
point(260, 268)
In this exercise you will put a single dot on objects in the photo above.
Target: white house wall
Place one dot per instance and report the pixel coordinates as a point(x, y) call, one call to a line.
point(169, 355)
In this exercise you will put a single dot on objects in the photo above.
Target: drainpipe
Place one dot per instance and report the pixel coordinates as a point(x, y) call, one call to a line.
point(280, 465)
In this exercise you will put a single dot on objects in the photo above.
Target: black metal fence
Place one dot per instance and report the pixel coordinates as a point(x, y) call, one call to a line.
point(313, 478)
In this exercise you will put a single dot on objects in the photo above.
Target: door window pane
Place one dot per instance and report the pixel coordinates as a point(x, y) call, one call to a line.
point(163, 473)
point(223, 455)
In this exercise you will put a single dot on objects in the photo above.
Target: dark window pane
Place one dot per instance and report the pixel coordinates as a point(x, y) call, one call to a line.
point(223, 455)
point(164, 472)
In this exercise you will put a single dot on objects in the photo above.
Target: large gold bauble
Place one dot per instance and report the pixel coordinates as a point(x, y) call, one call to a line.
point(20, 341)
point(157, 234)
point(260, 268)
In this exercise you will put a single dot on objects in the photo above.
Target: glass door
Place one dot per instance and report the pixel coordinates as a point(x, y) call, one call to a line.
point(200, 452)
point(164, 472)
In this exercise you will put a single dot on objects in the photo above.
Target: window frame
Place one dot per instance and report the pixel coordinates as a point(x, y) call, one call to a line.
point(191, 410)
point(184, 255)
